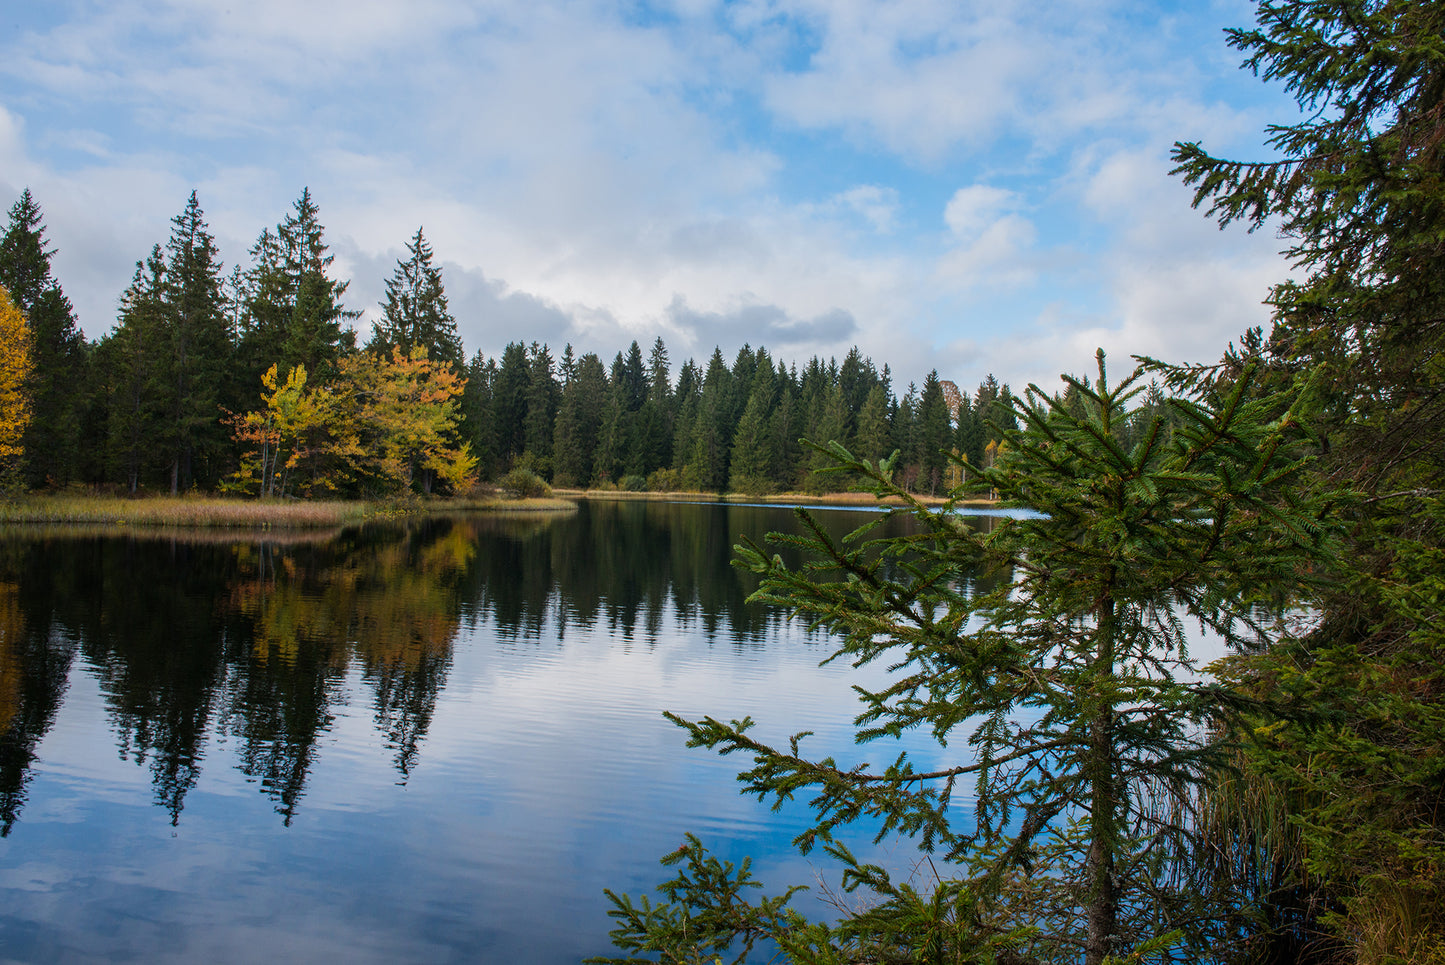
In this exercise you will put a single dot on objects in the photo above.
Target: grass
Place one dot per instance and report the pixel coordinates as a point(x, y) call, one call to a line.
point(193, 512)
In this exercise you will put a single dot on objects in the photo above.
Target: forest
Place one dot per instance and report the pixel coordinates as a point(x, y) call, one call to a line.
point(253, 382)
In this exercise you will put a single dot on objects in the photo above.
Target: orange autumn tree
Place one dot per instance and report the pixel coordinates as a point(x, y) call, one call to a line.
point(15, 369)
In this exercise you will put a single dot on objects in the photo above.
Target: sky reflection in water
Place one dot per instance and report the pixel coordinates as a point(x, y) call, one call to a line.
point(426, 743)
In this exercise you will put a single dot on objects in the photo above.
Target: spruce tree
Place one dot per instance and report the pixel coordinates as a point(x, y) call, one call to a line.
point(1060, 690)
point(57, 349)
point(1356, 186)
point(200, 350)
point(415, 310)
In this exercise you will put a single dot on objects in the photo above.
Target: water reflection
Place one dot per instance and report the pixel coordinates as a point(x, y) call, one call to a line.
point(507, 673)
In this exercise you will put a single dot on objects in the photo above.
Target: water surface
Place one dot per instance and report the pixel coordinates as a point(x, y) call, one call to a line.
point(427, 742)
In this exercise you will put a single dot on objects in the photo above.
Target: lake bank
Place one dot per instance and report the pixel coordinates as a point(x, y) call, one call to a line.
point(849, 499)
point(188, 512)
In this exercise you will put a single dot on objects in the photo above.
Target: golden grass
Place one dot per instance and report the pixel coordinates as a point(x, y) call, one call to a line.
point(191, 512)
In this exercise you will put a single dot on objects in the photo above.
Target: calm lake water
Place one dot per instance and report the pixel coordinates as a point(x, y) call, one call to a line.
point(429, 742)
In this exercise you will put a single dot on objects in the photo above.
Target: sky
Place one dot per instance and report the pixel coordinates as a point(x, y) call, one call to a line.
point(968, 186)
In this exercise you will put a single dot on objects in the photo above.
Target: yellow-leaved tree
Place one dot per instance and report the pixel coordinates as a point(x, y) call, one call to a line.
point(15, 366)
point(408, 407)
point(380, 426)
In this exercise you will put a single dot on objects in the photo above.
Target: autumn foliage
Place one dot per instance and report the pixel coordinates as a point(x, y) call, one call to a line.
point(381, 426)
point(15, 368)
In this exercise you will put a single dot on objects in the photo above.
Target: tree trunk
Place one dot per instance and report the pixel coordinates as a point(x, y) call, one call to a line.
point(1102, 908)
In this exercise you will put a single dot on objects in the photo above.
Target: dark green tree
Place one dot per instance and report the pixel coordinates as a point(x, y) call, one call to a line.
point(198, 356)
point(1357, 187)
point(935, 434)
point(132, 361)
point(579, 423)
point(57, 353)
point(317, 332)
point(415, 310)
point(1063, 687)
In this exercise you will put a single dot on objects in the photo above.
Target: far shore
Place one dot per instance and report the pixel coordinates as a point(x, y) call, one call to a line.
point(190, 512)
point(219, 512)
point(849, 499)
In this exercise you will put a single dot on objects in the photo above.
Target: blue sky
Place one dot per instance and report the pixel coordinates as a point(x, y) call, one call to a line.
point(972, 186)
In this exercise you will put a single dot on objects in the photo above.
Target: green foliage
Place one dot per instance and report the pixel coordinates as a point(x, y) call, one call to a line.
point(415, 310)
point(524, 484)
point(706, 918)
point(1064, 679)
point(1358, 189)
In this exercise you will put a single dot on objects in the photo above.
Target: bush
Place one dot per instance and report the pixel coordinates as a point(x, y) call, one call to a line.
point(632, 484)
point(524, 484)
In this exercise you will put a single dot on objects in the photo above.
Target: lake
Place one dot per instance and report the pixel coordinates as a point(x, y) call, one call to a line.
point(428, 741)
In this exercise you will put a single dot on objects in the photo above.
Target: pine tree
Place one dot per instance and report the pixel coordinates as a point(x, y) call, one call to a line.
point(579, 423)
point(57, 350)
point(415, 310)
point(935, 433)
point(134, 360)
point(543, 395)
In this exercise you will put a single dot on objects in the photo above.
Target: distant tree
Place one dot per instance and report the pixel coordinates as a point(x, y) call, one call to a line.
point(133, 363)
point(935, 433)
point(198, 357)
point(478, 427)
point(543, 395)
point(57, 350)
point(579, 423)
point(509, 403)
point(415, 310)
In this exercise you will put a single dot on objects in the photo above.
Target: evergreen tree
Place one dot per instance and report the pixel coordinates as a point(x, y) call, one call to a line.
point(707, 467)
point(415, 310)
point(543, 395)
point(1061, 687)
point(579, 423)
point(199, 351)
point(57, 350)
point(134, 360)
point(509, 403)
point(935, 433)
point(872, 441)
point(1355, 188)
point(478, 426)
point(292, 312)
point(753, 457)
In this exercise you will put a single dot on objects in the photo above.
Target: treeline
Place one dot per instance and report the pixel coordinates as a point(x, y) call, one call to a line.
point(719, 428)
point(253, 381)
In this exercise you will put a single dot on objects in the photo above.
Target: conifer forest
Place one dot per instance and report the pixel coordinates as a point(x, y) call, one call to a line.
point(253, 382)
point(1285, 804)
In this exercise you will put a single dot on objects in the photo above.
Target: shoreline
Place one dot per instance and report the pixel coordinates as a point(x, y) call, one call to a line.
point(216, 512)
point(223, 513)
point(845, 499)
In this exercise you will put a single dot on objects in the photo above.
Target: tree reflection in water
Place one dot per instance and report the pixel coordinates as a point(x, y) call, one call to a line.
point(250, 639)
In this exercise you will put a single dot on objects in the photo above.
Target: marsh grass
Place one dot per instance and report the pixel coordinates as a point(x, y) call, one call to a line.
point(198, 512)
